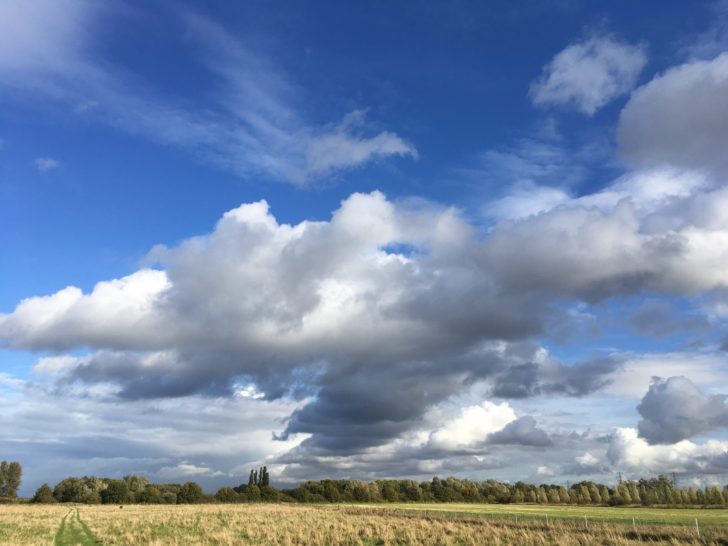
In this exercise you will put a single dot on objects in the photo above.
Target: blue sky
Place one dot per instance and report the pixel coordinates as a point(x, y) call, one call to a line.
point(506, 212)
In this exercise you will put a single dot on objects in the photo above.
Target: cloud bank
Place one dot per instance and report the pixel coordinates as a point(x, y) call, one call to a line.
point(381, 312)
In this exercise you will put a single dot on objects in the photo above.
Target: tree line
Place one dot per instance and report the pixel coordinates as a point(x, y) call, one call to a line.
point(659, 491)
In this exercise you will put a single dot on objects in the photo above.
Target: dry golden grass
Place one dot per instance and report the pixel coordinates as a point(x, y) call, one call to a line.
point(327, 525)
point(332, 525)
point(23, 525)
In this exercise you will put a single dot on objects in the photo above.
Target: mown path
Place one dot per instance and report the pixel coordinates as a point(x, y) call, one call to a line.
point(73, 532)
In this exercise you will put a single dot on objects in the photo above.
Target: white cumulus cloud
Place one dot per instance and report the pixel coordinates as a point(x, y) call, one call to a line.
point(631, 453)
point(589, 74)
point(473, 425)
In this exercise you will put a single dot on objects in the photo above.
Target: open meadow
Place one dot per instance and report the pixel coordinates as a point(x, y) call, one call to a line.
point(573, 513)
point(462, 525)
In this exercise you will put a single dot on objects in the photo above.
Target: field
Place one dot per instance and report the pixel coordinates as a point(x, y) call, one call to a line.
point(575, 514)
point(446, 525)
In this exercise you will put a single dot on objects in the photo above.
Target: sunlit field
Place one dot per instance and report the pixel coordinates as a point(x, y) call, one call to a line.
point(432, 524)
point(576, 514)
point(24, 524)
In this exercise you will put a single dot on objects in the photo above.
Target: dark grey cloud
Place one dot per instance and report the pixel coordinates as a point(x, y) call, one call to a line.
point(659, 318)
point(377, 403)
point(679, 118)
point(485, 460)
point(364, 408)
point(531, 379)
point(675, 409)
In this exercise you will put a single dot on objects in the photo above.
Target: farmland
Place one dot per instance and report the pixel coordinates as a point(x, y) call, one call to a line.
point(431, 524)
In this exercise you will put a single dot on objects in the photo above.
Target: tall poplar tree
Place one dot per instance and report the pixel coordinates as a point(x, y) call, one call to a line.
point(10, 476)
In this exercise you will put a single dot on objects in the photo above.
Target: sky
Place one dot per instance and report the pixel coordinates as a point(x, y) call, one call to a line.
point(364, 240)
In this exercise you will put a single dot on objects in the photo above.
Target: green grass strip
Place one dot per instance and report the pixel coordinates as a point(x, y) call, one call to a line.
point(74, 532)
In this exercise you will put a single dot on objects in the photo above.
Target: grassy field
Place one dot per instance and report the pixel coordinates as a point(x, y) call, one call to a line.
point(604, 514)
point(24, 524)
point(338, 525)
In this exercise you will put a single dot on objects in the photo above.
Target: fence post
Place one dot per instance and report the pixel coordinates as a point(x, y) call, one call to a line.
point(634, 526)
point(697, 527)
point(547, 520)
point(586, 522)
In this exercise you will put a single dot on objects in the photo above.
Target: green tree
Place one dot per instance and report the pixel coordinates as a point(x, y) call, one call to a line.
point(168, 497)
point(253, 493)
point(594, 495)
point(624, 494)
point(412, 491)
point(361, 493)
point(331, 492)
point(692, 496)
point(10, 475)
point(152, 495)
point(713, 496)
point(604, 494)
point(44, 495)
point(701, 496)
point(135, 484)
point(684, 498)
point(226, 494)
point(634, 494)
point(390, 493)
point(584, 496)
point(190, 493)
point(264, 477)
point(553, 495)
point(66, 490)
point(650, 498)
point(116, 492)
point(374, 493)
point(564, 495)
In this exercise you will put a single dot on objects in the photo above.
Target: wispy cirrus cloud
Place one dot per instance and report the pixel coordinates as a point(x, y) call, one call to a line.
point(251, 127)
point(46, 164)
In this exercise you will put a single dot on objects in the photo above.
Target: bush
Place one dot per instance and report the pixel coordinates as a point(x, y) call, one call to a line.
point(226, 494)
point(190, 493)
point(44, 495)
